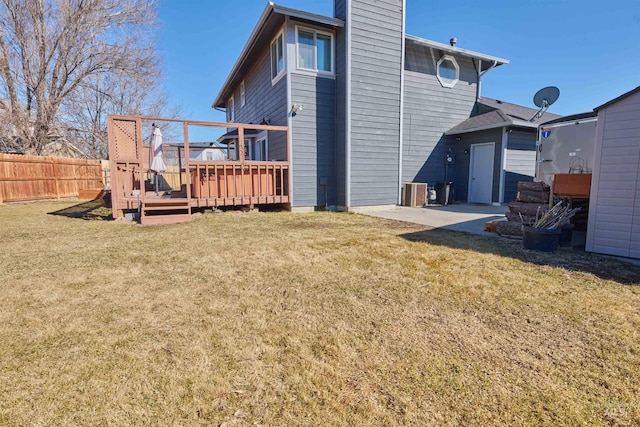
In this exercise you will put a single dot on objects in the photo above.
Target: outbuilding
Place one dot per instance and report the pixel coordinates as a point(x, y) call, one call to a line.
point(614, 212)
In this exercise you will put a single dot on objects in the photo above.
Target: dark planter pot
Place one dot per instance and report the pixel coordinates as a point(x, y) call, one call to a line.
point(566, 235)
point(540, 239)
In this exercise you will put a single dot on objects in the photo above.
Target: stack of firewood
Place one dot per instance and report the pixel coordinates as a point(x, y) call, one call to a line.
point(532, 203)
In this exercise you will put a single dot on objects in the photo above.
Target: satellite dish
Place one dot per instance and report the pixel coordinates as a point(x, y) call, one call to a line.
point(543, 100)
point(546, 96)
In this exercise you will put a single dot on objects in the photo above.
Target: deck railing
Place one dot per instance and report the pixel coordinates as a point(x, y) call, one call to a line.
point(201, 183)
point(223, 183)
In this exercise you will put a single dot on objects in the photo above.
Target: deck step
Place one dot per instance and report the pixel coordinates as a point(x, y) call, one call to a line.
point(164, 219)
point(167, 201)
point(165, 211)
point(155, 207)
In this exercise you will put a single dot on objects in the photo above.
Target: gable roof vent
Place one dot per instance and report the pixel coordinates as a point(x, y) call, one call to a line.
point(453, 41)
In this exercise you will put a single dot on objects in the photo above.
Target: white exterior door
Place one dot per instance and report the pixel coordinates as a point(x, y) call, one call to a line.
point(481, 173)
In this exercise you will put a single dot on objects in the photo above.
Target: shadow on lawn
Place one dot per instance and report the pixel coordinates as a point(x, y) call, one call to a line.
point(571, 259)
point(91, 211)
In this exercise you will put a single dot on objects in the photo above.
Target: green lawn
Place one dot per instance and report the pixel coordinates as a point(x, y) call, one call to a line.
point(306, 319)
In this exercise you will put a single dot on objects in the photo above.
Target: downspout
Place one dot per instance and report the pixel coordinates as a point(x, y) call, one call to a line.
point(347, 140)
point(478, 68)
point(481, 74)
point(401, 142)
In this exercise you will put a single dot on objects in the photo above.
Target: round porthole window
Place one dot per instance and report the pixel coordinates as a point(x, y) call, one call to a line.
point(448, 71)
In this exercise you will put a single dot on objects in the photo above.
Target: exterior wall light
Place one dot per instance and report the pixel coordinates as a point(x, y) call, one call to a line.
point(296, 108)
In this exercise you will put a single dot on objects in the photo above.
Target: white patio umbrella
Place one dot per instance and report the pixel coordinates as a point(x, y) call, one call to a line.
point(157, 164)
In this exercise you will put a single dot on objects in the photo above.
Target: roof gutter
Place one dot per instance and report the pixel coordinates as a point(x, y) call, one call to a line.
point(300, 14)
point(479, 128)
point(456, 50)
point(506, 123)
point(245, 51)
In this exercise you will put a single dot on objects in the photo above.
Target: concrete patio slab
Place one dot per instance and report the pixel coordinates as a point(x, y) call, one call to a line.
point(469, 218)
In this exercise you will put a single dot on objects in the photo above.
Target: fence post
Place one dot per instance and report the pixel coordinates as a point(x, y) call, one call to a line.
point(2, 181)
point(55, 177)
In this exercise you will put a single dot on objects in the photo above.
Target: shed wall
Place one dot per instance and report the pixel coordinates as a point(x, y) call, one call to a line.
point(614, 213)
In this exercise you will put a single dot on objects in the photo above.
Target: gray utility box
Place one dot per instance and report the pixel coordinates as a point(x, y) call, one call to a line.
point(566, 145)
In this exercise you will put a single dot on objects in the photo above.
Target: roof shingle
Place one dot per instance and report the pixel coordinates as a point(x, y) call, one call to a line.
point(492, 113)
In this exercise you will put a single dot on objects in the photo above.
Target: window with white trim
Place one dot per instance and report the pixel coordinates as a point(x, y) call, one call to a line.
point(231, 110)
point(243, 95)
point(277, 57)
point(315, 50)
point(448, 71)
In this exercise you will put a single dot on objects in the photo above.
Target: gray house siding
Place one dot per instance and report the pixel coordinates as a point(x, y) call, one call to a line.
point(459, 172)
point(376, 40)
point(313, 130)
point(520, 164)
point(340, 9)
point(429, 111)
point(264, 100)
point(614, 212)
point(345, 145)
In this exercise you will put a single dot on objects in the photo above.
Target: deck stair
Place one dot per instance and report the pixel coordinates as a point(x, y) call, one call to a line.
point(165, 211)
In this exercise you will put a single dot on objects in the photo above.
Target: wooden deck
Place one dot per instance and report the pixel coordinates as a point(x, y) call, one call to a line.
point(195, 183)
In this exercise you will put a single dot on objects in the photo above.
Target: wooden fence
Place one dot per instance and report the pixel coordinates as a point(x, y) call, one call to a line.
point(24, 178)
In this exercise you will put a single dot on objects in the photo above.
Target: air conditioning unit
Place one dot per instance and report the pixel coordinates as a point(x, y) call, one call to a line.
point(414, 194)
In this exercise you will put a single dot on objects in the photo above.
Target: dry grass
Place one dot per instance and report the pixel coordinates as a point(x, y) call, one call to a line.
point(319, 319)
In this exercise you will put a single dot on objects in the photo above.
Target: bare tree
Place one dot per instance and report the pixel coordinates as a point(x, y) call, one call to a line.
point(85, 110)
point(65, 64)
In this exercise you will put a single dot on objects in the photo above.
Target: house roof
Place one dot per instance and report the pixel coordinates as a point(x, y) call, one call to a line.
point(572, 118)
point(620, 98)
point(489, 61)
point(493, 113)
point(273, 18)
point(268, 25)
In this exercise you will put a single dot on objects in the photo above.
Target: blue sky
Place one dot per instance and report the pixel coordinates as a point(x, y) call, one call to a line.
point(589, 49)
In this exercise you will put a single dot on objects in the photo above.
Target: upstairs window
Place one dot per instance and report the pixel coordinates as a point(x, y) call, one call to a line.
point(277, 57)
point(243, 95)
point(448, 71)
point(315, 51)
